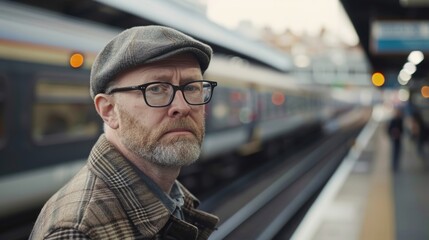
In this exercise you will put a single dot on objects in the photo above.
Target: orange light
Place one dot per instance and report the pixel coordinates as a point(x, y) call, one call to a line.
point(425, 91)
point(76, 60)
point(278, 98)
point(236, 96)
point(377, 79)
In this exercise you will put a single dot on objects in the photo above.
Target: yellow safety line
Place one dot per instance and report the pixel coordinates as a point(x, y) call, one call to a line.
point(379, 218)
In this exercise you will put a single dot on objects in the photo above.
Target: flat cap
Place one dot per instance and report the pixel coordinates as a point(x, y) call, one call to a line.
point(138, 45)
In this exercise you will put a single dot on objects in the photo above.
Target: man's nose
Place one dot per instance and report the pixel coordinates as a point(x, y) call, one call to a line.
point(179, 106)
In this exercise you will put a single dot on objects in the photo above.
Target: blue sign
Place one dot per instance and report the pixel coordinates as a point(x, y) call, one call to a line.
point(399, 36)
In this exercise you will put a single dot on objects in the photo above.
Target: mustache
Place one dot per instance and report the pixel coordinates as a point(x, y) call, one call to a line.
point(180, 124)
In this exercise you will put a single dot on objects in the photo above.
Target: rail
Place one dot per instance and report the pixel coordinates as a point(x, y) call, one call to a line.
point(299, 184)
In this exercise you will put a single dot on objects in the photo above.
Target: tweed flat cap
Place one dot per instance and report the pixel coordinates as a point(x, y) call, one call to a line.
point(138, 45)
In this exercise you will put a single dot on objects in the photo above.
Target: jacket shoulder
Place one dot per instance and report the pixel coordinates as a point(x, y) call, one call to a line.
point(85, 205)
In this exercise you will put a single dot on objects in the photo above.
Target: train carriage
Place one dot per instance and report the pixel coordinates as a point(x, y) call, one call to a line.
point(48, 123)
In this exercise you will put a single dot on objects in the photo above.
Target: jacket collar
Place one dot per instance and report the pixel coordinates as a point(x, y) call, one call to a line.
point(142, 206)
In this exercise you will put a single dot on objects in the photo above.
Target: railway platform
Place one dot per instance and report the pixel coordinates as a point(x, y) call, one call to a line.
point(366, 200)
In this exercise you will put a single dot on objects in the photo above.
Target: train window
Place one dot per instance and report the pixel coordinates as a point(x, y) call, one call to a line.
point(230, 107)
point(266, 106)
point(63, 112)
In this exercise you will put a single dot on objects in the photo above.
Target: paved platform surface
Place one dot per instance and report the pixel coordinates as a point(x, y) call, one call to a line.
point(411, 195)
point(366, 200)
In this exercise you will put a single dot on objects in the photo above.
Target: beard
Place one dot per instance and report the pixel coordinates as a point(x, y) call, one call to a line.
point(149, 144)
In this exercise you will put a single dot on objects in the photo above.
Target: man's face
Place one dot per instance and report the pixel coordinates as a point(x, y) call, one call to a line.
point(168, 136)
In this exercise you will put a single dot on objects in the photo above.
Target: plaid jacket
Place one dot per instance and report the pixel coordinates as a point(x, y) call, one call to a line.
point(108, 200)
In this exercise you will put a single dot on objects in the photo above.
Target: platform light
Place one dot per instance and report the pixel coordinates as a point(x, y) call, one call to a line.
point(416, 57)
point(410, 68)
point(402, 81)
point(378, 79)
point(76, 60)
point(403, 95)
point(425, 91)
point(404, 77)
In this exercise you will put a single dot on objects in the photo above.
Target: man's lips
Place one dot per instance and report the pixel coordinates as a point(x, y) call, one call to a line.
point(180, 131)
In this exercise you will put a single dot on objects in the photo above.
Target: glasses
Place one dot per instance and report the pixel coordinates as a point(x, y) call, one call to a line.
point(161, 94)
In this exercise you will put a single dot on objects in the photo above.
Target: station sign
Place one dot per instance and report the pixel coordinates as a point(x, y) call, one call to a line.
point(394, 36)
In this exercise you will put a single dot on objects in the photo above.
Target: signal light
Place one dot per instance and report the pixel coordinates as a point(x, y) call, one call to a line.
point(76, 60)
point(378, 79)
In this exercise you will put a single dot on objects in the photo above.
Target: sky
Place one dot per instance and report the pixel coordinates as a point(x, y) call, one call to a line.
point(299, 16)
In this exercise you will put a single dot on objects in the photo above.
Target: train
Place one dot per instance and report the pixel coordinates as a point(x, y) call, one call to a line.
point(48, 123)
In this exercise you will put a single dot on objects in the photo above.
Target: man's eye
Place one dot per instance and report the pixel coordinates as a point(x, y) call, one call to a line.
point(192, 88)
point(158, 88)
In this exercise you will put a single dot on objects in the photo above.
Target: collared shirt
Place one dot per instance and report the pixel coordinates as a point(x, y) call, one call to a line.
point(177, 196)
point(173, 202)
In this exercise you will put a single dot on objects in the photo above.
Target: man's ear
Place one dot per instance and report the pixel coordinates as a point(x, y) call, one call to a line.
point(105, 107)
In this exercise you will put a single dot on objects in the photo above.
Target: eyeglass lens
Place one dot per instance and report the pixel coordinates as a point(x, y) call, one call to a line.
point(161, 94)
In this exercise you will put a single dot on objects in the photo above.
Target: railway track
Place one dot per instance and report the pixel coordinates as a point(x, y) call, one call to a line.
point(269, 202)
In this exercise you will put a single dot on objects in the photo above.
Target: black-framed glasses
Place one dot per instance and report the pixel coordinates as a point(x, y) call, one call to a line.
point(161, 94)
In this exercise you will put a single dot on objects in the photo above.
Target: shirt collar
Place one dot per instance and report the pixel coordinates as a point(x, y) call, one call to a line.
point(173, 201)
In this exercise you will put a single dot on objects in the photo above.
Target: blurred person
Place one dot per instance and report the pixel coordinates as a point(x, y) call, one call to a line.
point(147, 87)
point(395, 131)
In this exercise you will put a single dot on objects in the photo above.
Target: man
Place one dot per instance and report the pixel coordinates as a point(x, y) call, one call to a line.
point(146, 85)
